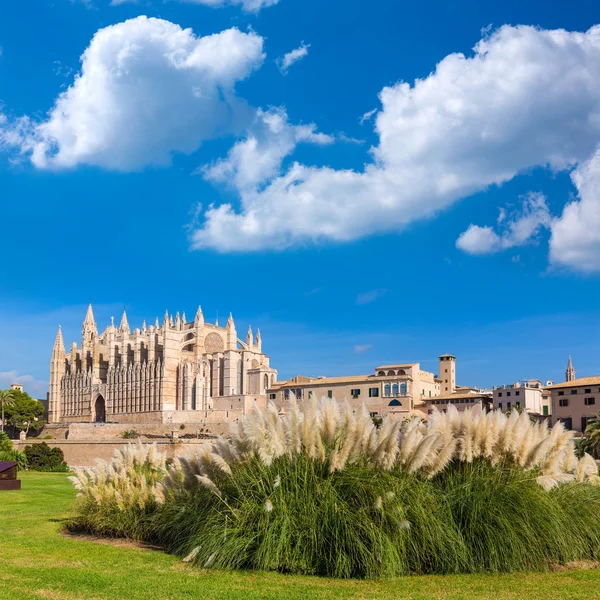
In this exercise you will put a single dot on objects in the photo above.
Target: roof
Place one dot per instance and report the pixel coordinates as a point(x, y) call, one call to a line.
point(457, 395)
point(447, 356)
point(407, 365)
point(576, 383)
point(322, 381)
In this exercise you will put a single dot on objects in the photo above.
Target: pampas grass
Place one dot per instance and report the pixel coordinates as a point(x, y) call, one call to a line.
point(323, 491)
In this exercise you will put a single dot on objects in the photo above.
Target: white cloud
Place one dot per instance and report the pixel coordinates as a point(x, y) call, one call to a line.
point(147, 89)
point(575, 241)
point(517, 229)
point(478, 240)
point(34, 387)
point(525, 98)
point(288, 59)
point(360, 348)
point(367, 116)
point(258, 157)
point(252, 6)
point(371, 296)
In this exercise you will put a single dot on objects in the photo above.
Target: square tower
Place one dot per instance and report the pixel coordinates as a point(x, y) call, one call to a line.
point(447, 374)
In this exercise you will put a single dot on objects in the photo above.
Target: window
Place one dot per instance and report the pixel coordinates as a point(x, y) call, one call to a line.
point(355, 393)
point(298, 393)
point(499, 394)
point(329, 394)
point(445, 370)
point(395, 403)
point(272, 396)
point(573, 391)
point(508, 406)
point(588, 391)
point(517, 393)
point(545, 411)
point(403, 389)
point(310, 395)
point(286, 394)
point(508, 393)
point(395, 389)
point(561, 393)
point(500, 405)
point(567, 422)
point(386, 390)
point(517, 405)
point(373, 392)
point(563, 402)
point(589, 401)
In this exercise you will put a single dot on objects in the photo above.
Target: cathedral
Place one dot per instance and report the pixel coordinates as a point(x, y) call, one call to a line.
point(180, 372)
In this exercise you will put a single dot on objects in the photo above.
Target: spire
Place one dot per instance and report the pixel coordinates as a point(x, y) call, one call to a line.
point(258, 339)
point(144, 326)
point(112, 324)
point(199, 316)
point(156, 324)
point(249, 337)
point(166, 321)
point(124, 326)
point(570, 372)
point(230, 323)
point(59, 344)
point(183, 319)
point(89, 331)
point(177, 322)
point(171, 324)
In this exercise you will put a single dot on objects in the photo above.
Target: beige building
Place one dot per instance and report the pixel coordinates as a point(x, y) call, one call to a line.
point(575, 402)
point(398, 390)
point(461, 399)
point(177, 372)
point(530, 394)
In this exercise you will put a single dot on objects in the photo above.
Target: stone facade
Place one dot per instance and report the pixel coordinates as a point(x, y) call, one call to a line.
point(176, 372)
point(398, 390)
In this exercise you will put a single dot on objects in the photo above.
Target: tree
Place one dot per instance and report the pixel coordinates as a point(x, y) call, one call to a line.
point(6, 399)
point(25, 413)
point(591, 441)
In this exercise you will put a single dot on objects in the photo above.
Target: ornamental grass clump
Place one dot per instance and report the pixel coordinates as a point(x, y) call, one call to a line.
point(323, 491)
point(116, 498)
point(326, 492)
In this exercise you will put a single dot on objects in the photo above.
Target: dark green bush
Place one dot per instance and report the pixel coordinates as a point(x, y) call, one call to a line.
point(9, 454)
point(40, 457)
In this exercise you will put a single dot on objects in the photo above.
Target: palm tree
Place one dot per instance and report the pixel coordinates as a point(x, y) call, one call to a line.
point(591, 442)
point(6, 399)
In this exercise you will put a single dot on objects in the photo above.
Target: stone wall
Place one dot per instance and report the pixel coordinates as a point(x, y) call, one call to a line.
point(82, 453)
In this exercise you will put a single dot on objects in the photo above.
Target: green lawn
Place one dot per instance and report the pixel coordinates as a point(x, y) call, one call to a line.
point(37, 562)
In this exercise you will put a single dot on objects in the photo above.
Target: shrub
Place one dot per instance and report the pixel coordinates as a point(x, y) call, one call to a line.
point(130, 434)
point(9, 454)
point(328, 493)
point(40, 457)
point(117, 497)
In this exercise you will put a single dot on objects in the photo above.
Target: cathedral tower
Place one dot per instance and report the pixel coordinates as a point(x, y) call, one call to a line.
point(570, 372)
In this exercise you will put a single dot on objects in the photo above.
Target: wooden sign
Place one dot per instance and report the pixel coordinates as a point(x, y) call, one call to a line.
point(8, 476)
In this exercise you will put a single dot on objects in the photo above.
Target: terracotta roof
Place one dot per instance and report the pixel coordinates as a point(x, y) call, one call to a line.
point(576, 383)
point(447, 356)
point(396, 366)
point(324, 381)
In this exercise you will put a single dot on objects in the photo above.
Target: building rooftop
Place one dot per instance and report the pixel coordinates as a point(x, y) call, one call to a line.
point(576, 383)
point(467, 393)
point(407, 365)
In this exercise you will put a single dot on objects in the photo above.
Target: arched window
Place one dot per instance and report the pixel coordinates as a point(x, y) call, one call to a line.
point(189, 348)
point(403, 389)
point(381, 373)
point(395, 389)
point(266, 382)
point(386, 389)
point(392, 373)
point(395, 403)
point(401, 372)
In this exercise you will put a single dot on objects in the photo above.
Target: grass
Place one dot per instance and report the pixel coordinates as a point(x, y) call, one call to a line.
point(37, 562)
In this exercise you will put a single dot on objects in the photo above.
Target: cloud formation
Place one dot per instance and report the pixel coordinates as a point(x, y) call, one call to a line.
point(361, 348)
point(521, 100)
point(288, 59)
point(147, 89)
point(371, 296)
point(575, 240)
point(517, 229)
point(258, 157)
point(252, 6)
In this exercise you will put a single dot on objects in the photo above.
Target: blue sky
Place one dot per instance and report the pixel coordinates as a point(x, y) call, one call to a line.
point(164, 168)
